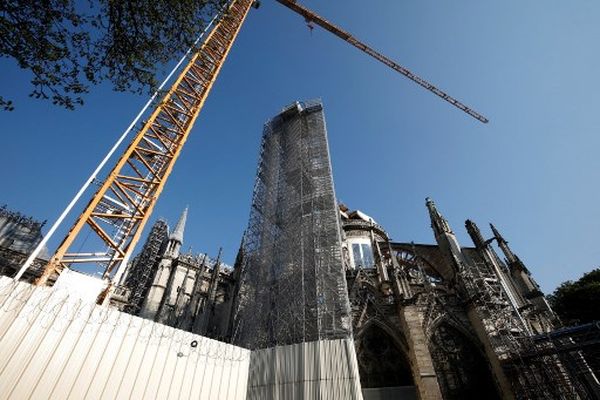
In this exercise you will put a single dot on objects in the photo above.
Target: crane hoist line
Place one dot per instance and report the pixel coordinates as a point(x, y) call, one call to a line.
point(117, 213)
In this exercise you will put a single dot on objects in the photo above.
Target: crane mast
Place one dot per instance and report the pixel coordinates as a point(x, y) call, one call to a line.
point(120, 208)
point(118, 211)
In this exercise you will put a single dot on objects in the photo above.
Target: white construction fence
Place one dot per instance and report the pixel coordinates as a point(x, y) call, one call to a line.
point(54, 345)
point(321, 370)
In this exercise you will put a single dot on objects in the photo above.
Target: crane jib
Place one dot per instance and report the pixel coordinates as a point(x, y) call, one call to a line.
point(310, 16)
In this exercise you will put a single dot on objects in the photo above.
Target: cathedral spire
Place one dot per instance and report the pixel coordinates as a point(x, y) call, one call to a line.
point(475, 234)
point(177, 234)
point(214, 279)
point(438, 222)
point(446, 240)
point(522, 277)
point(497, 235)
point(503, 244)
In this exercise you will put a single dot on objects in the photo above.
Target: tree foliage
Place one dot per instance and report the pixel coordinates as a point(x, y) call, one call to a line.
point(69, 45)
point(579, 301)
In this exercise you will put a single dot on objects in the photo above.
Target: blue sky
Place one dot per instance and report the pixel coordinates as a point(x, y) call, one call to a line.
point(530, 67)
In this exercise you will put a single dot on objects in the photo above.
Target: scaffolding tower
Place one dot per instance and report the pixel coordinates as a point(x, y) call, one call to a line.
point(293, 287)
point(142, 269)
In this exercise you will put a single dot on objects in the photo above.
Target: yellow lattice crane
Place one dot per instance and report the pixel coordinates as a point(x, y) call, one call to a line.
point(118, 211)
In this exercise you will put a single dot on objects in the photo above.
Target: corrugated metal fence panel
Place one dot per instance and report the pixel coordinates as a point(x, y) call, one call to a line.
point(321, 370)
point(56, 346)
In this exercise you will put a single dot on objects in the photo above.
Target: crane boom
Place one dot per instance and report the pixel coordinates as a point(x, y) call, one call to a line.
point(310, 16)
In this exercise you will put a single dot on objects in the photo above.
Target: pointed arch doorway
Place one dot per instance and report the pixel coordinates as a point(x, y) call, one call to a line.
point(385, 371)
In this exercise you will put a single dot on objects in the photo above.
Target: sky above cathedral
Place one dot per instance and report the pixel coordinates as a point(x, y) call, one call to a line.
point(530, 67)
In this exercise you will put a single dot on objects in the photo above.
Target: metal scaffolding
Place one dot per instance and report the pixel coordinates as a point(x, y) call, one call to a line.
point(501, 320)
point(562, 364)
point(142, 269)
point(19, 232)
point(293, 285)
point(539, 367)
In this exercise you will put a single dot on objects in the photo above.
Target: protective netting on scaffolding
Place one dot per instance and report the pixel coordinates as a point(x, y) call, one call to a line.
point(293, 287)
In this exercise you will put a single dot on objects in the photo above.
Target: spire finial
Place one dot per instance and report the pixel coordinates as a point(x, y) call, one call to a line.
point(497, 234)
point(177, 234)
point(503, 244)
point(475, 234)
point(438, 222)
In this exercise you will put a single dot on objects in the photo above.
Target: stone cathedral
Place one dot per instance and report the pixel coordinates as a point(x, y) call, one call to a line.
point(417, 333)
point(434, 320)
point(439, 320)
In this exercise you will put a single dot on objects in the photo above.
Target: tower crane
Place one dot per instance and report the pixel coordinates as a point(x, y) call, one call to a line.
point(118, 211)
